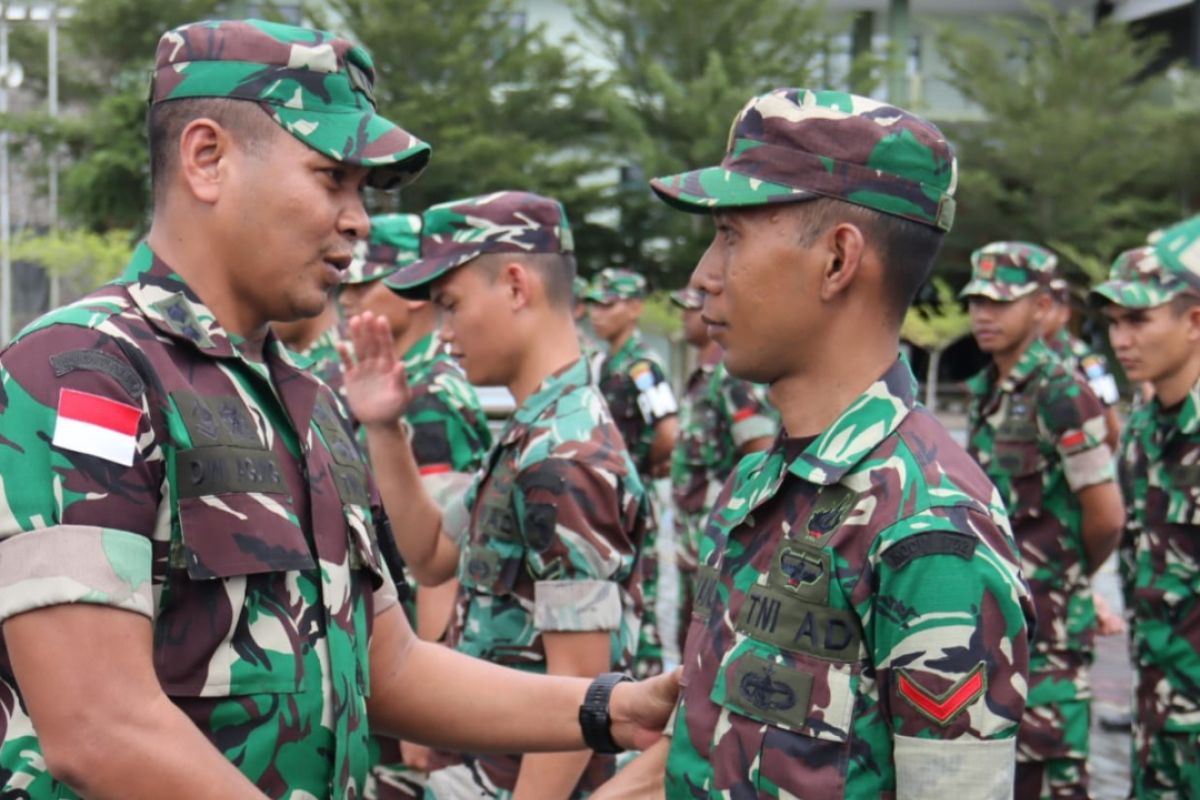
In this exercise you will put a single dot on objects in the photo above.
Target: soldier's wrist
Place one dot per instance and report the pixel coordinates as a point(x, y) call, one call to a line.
point(595, 714)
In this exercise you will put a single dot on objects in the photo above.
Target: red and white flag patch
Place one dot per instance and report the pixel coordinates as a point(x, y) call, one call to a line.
point(97, 426)
point(1072, 439)
point(942, 708)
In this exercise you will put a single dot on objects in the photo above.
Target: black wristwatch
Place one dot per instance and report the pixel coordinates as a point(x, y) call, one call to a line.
point(594, 719)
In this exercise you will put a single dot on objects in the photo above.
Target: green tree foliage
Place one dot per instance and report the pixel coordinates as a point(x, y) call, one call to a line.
point(503, 107)
point(682, 70)
point(82, 260)
point(1070, 150)
point(933, 327)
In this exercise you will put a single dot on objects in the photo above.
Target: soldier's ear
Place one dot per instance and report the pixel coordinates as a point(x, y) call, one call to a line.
point(1193, 323)
point(519, 283)
point(846, 249)
point(203, 147)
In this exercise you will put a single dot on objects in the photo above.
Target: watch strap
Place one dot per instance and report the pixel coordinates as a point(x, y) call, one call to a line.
point(594, 718)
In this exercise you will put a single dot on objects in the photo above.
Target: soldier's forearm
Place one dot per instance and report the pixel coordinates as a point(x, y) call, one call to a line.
point(415, 516)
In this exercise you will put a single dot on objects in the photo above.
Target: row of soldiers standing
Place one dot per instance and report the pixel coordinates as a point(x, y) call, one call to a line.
point(1043, 425)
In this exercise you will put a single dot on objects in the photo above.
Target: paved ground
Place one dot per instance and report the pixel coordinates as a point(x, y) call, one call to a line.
point(1111, 676)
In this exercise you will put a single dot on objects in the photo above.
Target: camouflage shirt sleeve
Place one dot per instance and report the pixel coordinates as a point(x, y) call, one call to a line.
point(578, 544)
point(75, 527)
point(750, 416)
point(1074, 420)
point(950, 640)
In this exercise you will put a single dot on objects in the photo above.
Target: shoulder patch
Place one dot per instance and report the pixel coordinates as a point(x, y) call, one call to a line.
point(932, 543)
point(98, 361)
point(944, 707)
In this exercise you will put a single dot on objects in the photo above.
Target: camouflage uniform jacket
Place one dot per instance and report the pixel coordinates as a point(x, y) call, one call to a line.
point(859, 611)
point(557, 519)
point(447, 426)
point(321, 359)
point(1088, 363)
point(639, 395)
point(1039, 435)
point(717, 416)
point(148, 466)
point(1160, 477)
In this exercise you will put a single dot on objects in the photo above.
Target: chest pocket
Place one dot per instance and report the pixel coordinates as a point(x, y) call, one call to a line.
point(703, 433)
point(1183, 494)
point(1016, 455)
point(494, 554)
point(787, 686)
point(234, 508)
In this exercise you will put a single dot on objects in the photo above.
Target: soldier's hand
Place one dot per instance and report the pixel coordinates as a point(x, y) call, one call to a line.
point(639, 710)
point(415, 755)
point(1108, 622)
point(376, 389)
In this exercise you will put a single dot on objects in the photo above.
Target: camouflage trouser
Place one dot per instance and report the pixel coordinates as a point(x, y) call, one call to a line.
point(1166, 766)
point(649, 658)
point(1053, 741)
point(1054, 779)
point(389, 779)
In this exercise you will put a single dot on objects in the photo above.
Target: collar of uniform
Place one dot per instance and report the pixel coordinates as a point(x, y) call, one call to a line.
point(869, 420)
point(626, 351)
point(1186, 419)
point(327, 341)
point(171, 306)
point(981, 384)
point(1059, 343)
point(554, 386)
point(1030, 361)
point(424, 351)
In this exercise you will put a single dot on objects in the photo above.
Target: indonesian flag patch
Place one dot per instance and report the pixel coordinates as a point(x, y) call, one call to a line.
point(944, 707)
point(1073, 439)
point(97, 426)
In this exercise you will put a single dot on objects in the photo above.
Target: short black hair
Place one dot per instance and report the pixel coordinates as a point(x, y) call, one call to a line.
point(248, 122)
point(906, 248)
point(557, 271)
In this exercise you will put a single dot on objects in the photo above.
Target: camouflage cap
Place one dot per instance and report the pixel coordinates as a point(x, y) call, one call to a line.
point(688, 298)
point(456, 232)
point(395, 241)
point(614, 284)
point(318, 87)
point(1178, 248)
point(795, 144)
point(1138, 279)
point(1007, 271)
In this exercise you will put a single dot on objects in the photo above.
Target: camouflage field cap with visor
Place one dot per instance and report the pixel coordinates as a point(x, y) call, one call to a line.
point(579, 288)
point(317, 86)
point(395, 241)
point(1007, 271)
point(456, 232)
point(1138, 279)
point(688, 298)
point(790, 145)
point(614, 284)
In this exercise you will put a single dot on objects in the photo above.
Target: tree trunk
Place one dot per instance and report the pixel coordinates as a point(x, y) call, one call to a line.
point(931, 378)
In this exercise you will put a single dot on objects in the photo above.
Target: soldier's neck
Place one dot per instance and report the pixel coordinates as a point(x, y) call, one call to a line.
point(300, 334)
point(1007, 360)
point(549, 348)
point(618, 341)
point(812, 399)
point(1173, 388)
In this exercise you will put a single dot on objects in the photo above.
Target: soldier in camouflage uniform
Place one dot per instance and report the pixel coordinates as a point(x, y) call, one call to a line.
point(1039, 433)
point(635, 386)
point(545, 542)
point(588, 346)
point(860, 625)
point(1093, 366)
point(192, 595)
point(1152, 302)
point(721, 419)
point(447, 428)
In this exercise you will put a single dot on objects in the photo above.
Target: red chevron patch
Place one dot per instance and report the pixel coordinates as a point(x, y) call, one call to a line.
point(942, 708)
